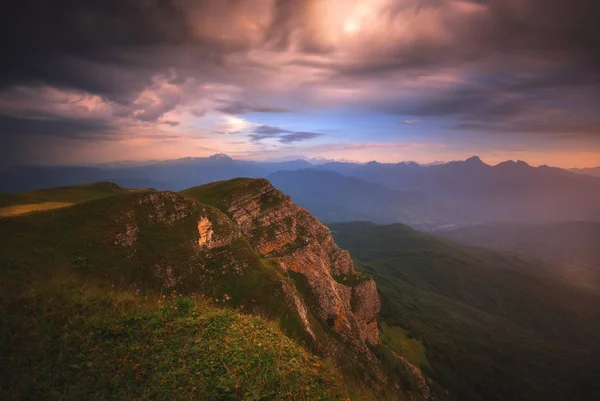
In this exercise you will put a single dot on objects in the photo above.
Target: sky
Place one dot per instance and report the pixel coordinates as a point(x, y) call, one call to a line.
point(94, 81)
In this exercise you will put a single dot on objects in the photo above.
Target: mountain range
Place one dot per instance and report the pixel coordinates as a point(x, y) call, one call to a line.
point(425, 196)
point(509, 191)
point(334, 197)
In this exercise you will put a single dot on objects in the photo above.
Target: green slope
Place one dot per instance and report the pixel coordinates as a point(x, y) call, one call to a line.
point(81, 296)
point(217, 193)
point(62, 338)
point(70, 194)
point(494, 326)
point(83, 316)
point(83, 237)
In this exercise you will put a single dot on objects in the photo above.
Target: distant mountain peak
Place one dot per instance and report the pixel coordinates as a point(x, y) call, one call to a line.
point(220, 157)
point(434, 163)
point(471, 162)
point(512, 163)
point(474, 160)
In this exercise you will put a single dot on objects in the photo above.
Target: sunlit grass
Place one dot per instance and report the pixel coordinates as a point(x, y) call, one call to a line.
point(399, 340)
point(31, 207)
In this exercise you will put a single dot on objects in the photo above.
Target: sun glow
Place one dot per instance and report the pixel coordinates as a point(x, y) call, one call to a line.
point(351, 26)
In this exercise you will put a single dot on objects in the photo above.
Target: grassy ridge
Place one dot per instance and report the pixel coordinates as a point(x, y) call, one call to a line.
point(65, 339)
point(31, 208)
point(83, 315)
point(84, 318)
point(163, 255)
point(69, 194)
point(494, 327)
point(217, 193)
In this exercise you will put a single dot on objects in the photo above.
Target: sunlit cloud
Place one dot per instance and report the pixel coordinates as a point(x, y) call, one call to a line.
point(208, 75)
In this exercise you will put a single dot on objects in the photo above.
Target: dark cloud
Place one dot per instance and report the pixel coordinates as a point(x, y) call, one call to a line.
point(553, 129)
point(298, 136)
point(18, 136)
point(84, 44)
point(545, 103)
point(262, 132)
point(269, 131)
point(81, 43)
point(550, 27)
point(472, 102)
point(240, 107)
point(16, 127)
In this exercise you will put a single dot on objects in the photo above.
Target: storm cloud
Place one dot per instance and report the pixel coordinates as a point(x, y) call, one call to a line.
point(262, 132)
point(116, 70)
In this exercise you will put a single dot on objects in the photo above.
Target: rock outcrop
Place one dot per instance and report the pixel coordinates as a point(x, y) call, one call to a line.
point(344, 299)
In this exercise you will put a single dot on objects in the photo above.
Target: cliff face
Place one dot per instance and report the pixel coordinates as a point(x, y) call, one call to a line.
point(335, 306)
point(343, 298)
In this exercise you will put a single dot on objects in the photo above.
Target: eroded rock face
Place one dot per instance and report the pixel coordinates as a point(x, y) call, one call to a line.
point(278, 228)
point(163, 208)
point(170, 214)
point(367, 307)
point(293, 297)
point(266, 218)
point(417, 374)
point(209, 238)
point(205, 232)
point(215, 230)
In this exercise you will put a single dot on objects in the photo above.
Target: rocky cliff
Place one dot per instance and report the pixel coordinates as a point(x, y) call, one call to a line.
point(325, 291)
point(346, 300)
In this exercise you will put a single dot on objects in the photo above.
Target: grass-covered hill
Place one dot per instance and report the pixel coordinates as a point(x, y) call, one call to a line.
point(493, 325)
point(89, 311)
point(70, 194)
point(157, 295)
point(67, 338)
point(12, 204)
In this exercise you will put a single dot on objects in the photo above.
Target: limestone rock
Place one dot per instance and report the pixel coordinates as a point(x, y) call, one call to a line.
point(278, 228)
